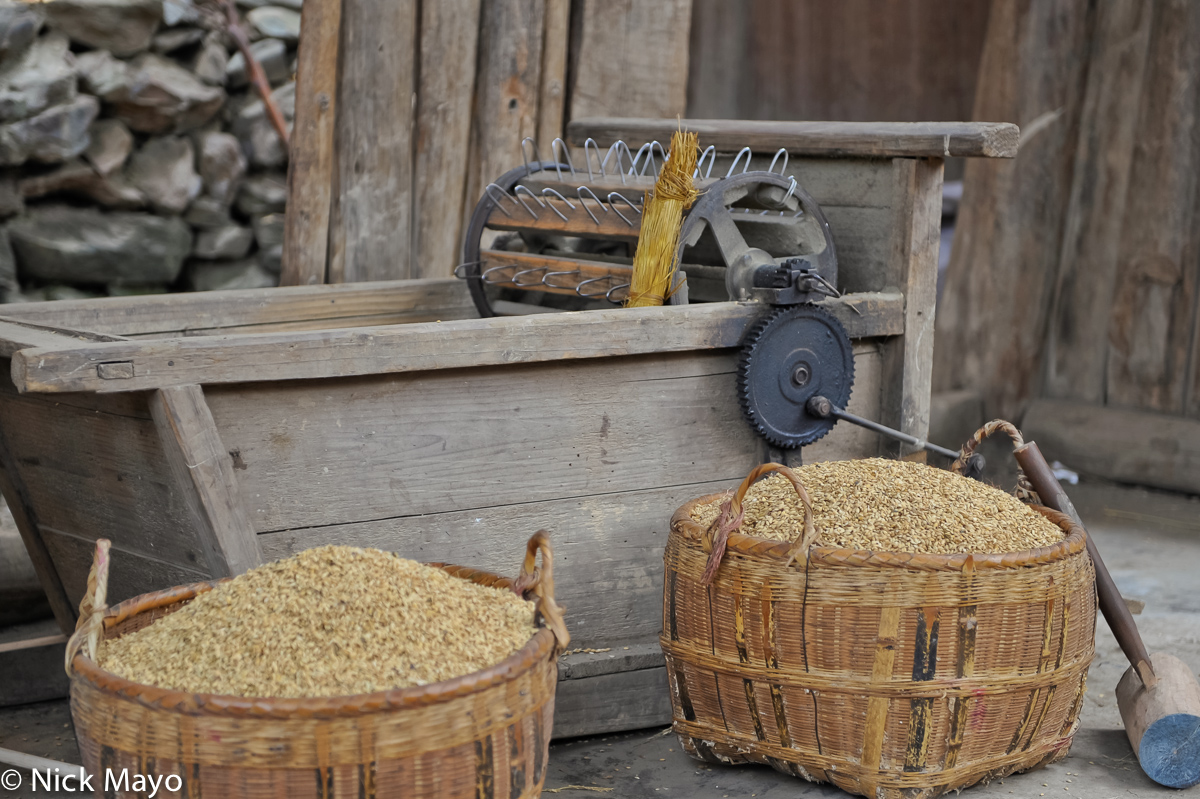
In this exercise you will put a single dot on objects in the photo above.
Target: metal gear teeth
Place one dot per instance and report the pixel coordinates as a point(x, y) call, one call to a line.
point(745, 360)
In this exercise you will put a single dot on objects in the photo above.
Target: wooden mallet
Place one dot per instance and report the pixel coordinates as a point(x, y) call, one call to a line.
point(1158, 696)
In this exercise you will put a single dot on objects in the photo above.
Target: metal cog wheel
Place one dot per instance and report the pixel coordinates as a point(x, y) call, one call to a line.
point(795, 353)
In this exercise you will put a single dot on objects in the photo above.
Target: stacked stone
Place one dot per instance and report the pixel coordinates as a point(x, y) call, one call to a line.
point(134, 156)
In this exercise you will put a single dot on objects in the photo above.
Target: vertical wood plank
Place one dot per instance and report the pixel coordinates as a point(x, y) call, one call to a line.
point(994, 307)
point(204, 474)
point(1151, 325)
point(370, 237)
point(908, 359)
point(449, 36)
point(852, 60)
point(719, 38)
point(23, 514)
point(310, 164)
point(632, 59)
point(553, 93)
point(506, 90)
point(1077, 339)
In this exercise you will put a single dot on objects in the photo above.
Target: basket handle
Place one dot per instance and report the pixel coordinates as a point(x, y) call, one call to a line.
point(540, 582)
point(731, 516)
point(91, 608)
point(1024, 490)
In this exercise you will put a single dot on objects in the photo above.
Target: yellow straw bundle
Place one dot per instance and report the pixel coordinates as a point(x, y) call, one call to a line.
point(662, 220)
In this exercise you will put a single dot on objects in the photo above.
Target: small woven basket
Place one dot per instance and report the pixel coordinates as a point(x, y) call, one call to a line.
point(485, 734)
point(887, 674)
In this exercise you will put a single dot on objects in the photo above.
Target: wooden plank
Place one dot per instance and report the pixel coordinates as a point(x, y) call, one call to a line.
point(204, 476)
point(829, 139)
point(130, 574)
point(607, 547)
point(1124, 445)
point(97, 472)
point(863, 238)
point(464, 343)
point(571, 219)
point(15, 336)
point(913, 61)
point(852, 182)
point(632, 58)
point(553, 93)
point(510, 265)
point(507, 86)
point(1077, 340)
point(371, 222)
point(1151, 323)
point(449, 37)
point(631, 655)
point(406, 437)
point(993, 311)
point(243, 310)
point(628, 700)
point(311, 155)
point(916, 236)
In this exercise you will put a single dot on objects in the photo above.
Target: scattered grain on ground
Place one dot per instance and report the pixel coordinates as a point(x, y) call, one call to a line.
point(331, 621)
point(891, 506)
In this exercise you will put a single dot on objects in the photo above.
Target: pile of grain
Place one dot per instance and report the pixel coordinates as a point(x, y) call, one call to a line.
point(330, 621)
point(891, 506)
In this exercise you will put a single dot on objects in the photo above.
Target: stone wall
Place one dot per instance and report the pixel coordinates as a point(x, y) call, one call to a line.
point(134, 156)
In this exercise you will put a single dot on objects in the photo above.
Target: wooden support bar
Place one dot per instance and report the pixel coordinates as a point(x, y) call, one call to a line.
point(19, 503)
point(509, 264)
point(409, 348)
point(204, 474)
point(574, 219)
point(310, 165)
point(876, 139)
point(915, 240)
point(243, 310)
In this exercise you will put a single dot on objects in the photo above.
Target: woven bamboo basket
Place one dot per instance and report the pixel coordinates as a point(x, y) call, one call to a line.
point(485, 734)
point(887, 674)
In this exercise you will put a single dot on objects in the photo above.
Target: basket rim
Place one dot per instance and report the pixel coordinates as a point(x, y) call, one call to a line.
point(753, 546)
point(539, 646)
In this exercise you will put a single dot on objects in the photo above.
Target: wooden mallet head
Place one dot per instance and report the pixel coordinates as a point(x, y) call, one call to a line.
point(1163, 722)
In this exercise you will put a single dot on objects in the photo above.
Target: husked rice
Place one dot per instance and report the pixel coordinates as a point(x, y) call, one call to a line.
point(891, 506)
point(330, 621)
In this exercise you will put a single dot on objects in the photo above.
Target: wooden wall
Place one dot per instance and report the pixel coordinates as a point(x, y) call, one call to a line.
point(1072, 284)
point(858, 60)
point(405, 110)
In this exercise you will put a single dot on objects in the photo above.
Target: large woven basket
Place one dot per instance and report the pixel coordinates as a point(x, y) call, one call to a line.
point(887, 674)
point(485, 734)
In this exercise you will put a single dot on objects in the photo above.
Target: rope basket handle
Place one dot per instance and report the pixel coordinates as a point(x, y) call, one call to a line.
point(732, 514)
point(1024, 490)
point(540, 582)
point(91, 608)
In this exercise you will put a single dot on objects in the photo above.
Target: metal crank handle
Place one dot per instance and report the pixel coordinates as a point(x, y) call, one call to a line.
point(822, 408)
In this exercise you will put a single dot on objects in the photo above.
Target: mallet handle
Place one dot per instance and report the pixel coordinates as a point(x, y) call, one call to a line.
point(1116, 613)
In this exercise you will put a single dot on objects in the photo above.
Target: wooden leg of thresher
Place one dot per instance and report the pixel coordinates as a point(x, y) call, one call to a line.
point(912, 267)
point(204, 473)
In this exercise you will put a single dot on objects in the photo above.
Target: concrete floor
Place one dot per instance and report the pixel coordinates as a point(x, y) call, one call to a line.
point(1151, 543)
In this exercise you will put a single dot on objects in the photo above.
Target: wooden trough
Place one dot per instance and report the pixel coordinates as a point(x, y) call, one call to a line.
point(205, 433)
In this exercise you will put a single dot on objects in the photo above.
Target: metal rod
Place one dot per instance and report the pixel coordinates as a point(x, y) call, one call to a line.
point(823, 408)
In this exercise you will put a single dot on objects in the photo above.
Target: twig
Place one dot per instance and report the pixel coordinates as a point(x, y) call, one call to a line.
point(595, 788)
point(254, 70)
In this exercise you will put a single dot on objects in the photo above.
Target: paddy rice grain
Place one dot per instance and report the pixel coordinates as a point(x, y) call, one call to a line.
point(891, 506)
point(331, 621)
